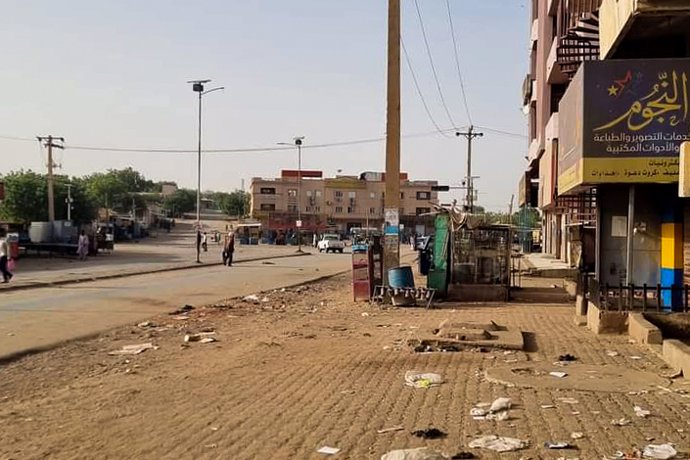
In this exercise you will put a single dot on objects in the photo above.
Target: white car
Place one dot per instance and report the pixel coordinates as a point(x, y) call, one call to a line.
point(331, 243)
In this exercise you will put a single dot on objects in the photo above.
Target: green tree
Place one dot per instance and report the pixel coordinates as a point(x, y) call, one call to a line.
point(26, 198)
point(183, 200)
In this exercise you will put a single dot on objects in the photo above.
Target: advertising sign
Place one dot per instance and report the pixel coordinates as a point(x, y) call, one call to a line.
point(623, 121)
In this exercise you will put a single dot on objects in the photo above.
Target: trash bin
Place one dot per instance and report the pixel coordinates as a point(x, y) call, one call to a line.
point(424, 262)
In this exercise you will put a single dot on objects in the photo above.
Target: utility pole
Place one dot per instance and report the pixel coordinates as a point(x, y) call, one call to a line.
point(391, 241)
point(69, 202)
point(469, 135)
point(51, 180)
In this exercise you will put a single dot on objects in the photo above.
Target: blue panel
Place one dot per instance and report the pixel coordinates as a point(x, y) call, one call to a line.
point(672, 277)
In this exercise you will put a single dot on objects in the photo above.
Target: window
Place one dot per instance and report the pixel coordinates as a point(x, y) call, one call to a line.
point(338, 194)
point(423, 211)
point(318, 193)
point(350, 210)
point(292, 192)
point(372, 211)
point(309, 193)
point(339, 209)
point(423, 195)
point(268, 207)
point(372, 195)
point(292, 208)
point(402, 195)
point(352, 195)
point(268, 191)
point(314, 209)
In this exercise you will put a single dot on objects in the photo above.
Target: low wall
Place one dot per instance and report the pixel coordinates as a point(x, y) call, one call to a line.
point(642, 331)
point(677, 355)
point(606, 322)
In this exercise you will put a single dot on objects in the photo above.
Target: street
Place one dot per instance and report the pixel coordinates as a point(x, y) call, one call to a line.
point(40, 317)
point(309, 368)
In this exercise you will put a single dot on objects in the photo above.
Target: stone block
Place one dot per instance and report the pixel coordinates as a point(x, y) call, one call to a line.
point(606, 322)
point(677, 355)
point(642, 331)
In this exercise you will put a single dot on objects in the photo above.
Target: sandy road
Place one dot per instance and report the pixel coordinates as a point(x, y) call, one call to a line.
point(42, 317)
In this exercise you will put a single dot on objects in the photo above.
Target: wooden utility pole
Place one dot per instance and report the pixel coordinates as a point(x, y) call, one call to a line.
point(391, 242)
point(51, 180)
point(469, 135)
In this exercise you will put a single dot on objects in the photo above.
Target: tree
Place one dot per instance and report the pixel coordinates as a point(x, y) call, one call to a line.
point(232, 204)
point(183, 200)
point(26, 198)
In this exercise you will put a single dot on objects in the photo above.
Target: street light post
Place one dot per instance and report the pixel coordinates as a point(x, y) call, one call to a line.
point(198, 87)
point(298, 142)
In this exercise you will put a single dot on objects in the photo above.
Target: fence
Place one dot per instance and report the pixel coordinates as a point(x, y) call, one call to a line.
point(633, 297)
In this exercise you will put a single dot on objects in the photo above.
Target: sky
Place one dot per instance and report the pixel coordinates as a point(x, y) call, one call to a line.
point(113, 74)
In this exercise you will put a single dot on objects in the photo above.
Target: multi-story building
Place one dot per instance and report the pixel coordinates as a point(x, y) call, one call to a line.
point(563, 34)
point(608, 99)
point(339, 203)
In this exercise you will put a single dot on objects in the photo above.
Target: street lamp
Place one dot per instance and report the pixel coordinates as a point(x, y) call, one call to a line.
point(198, 87)
point(298, 142)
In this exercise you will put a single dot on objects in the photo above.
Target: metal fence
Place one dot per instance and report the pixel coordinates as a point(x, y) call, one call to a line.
point(633, 297)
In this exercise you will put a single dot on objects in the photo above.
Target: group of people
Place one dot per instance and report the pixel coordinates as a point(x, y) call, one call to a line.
point(228, 245)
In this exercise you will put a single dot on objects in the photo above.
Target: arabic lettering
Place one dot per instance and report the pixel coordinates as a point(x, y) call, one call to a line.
point(667, 102)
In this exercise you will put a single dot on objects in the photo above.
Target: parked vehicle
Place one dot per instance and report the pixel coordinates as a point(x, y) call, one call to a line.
point(331, 243)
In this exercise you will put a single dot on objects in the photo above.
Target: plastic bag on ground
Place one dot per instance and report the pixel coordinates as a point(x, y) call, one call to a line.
point(422, 380)
point(422, 453)
point(500, 404)
point(660, 451)
point(499, 444)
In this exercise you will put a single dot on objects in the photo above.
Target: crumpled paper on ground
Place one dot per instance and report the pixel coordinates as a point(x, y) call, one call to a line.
point(422, 380)
point(422, 453)
point(660, 451)
point(499, 444)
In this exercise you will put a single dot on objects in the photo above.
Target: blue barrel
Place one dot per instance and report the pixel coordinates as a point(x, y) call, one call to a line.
point(401, 277)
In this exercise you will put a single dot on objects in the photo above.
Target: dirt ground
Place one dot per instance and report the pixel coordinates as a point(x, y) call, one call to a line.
point(310, 368)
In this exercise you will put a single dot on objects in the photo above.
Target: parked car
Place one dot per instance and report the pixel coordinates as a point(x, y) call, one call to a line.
point(331, 243)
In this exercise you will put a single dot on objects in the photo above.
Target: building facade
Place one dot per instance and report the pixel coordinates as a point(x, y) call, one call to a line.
point(609, 108)
point(339, 203)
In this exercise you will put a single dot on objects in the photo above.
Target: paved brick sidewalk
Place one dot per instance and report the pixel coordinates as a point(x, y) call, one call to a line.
point(307, 369)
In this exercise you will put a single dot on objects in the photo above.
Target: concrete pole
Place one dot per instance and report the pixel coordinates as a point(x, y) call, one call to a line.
point(51, 180)
point(392, 201)
point(629, 240)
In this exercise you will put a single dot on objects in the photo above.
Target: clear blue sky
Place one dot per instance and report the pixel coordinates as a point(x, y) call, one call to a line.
point(104, 73)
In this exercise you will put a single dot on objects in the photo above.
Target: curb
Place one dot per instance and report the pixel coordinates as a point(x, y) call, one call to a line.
point(84, 279)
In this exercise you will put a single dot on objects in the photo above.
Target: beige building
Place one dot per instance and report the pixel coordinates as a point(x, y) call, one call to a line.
point(339, 203)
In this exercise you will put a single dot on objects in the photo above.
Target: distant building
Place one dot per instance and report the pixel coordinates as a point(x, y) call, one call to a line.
point(168, 189)
point(339, 203)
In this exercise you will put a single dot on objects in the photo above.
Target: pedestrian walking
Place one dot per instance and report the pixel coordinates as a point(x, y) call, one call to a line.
point(229, 249)
point(313, 241)
point(5, 257)
point(204, 242)
point(83, 246)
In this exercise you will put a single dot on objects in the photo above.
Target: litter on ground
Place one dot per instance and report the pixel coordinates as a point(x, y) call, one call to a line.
point(620, 422)
point(498, 444)
point(132, 349)
point(421, 453)
point(422, 380)
point(641, 412)
point(328, 450)
point(559, 375)
point(390, 429)
point(659, 451)
point(429, 433)
point(556, 445)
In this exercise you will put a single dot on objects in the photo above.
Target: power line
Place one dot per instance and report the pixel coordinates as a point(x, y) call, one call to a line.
point(14, 138)
point(419, 90)
point(500, 131)
point(431, 61)
point(457, 64)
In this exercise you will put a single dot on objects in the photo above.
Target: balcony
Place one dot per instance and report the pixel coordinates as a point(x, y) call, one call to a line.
point(623, 20)
point(554, 75)
point(534, 33)
point(551, 129)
